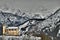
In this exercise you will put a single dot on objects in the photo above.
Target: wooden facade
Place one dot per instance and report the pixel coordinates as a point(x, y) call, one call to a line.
point(12, 31)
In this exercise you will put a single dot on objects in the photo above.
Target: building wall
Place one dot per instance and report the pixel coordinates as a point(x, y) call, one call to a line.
point(4, 30)
point(12, 32)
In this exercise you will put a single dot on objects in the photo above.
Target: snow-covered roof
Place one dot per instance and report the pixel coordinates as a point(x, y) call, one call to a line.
point(12, 27)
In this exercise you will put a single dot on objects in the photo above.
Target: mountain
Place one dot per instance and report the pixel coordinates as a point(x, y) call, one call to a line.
point(11, 19)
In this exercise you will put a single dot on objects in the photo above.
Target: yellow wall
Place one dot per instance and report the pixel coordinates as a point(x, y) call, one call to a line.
point(4, 29)
point(13, 32)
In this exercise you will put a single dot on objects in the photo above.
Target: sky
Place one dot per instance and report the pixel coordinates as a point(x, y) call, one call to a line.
point(30, 5)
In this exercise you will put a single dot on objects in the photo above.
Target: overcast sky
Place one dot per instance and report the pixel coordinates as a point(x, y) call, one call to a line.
point(30, 4)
